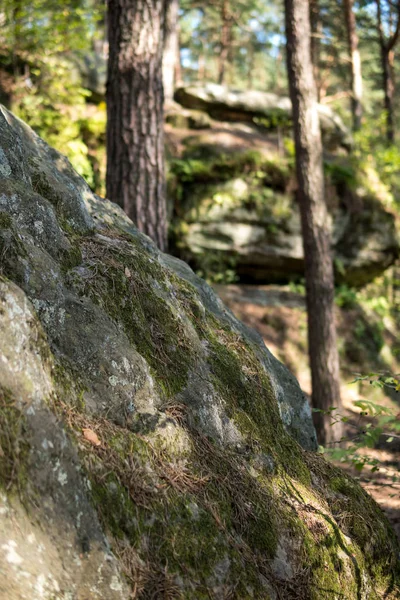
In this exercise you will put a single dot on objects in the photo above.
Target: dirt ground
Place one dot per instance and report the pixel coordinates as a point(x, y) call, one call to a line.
point(278, 314)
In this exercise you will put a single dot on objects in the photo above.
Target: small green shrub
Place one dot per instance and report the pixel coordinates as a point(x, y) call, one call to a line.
point(375, 424)
point(345, 296)
point(217, 267)
point(341, 174)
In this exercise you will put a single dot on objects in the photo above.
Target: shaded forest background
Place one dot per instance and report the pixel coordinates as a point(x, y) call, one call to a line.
point(53, 69)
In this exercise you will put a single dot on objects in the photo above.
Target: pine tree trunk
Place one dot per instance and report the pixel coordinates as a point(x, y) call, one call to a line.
point(387, 45)
point(135, 147)
point(323, 352)
point(355, 65)
point(17, 6)
point(250, 65)
point(224, 41)
point(178, 66)
point(170, 53)
point(315, 22)
point(201, 71)
point(388, 89)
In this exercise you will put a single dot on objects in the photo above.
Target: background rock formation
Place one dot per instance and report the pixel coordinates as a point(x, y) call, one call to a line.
point(233, 196)
point(149, 440)
point(227, 104)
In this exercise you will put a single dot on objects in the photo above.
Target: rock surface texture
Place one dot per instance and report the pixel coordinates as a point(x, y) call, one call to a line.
point(150, 445)
point(233, 191)
point(225, 104)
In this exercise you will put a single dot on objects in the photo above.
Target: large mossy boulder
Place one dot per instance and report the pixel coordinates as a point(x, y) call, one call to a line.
point(234, 209)
point(226, 104)
point(150, 445)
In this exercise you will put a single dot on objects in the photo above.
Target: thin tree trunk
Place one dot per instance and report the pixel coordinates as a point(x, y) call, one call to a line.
point(315, 23)
point(276, 80)
point(250, 65)
point(100, 45)
point(355, 65)
point(170, 54)
point(201, 74)
point(135, 147)
point(17, 18)
point(323, 351)
point(388, 90)
point(224, 41)
point(387, 46)
point(178, 67)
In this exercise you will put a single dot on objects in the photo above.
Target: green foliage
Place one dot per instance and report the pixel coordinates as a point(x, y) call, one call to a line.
point(288, 143)
point(345, 296)
point(277, 118)
point(203, 163)
point(189, 169)
point(40, 43)
point(191, 180)
point(217, 267)
point(341, 173)
point(380, 305)
point(388, 161)
point(53, 108)
point(364, 330)
point(44, 27)
point(298, 287)
point(373, 154)
point(376, 424)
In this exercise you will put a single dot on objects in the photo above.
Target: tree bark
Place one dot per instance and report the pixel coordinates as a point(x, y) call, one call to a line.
point(324, 360)
point(201, 70)
point(387, 45)
point(355, 65)
point(135, 147)
point(178, 66)
point(170, 53)
point(315, 23)
point(17, 18)
point(225, 40)
point(250, 65)
point(388, 90)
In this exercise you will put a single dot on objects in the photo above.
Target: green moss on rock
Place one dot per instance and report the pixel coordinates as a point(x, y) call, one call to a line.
point(135, 293)
point(5, 220)
point(14, 446)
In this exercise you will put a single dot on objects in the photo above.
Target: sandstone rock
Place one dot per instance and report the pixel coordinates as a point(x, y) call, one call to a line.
point(264, 250)
point(184, 118)
point(238, 206)
point(225, 104)
point(199, 486)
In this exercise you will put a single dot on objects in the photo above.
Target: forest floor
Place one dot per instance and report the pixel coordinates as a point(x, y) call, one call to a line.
point(279, 315)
